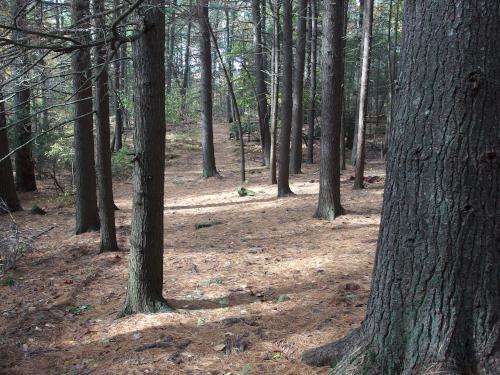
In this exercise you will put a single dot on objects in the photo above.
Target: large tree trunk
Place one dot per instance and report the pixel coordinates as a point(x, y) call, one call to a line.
point(103, 165)
point(275, 79)
point(332, 56)
point(87, 217)
point(25, 168)
point(207, 136)
point(343, 127)
point(311, 113)
point(286, 101)
point(363, 94)
point(145, 282)
point(7, 187)
point(260, 84)
point(298, 91)
point(434, 306)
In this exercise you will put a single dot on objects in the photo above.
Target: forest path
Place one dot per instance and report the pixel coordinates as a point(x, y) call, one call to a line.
point(290, 282)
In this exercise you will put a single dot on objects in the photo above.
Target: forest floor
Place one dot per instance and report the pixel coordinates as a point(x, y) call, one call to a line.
point(251, 293)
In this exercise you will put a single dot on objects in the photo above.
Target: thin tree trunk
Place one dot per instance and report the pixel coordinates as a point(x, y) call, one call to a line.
point(25, 167)
point(207, 136)
point(260, 84)
point(170, 50)
point(103, 162)
point(118, 138)
point(275, 79)
point(145, 282)
point(87, 217)
point(332, 56)
point(363, 94)
point(234, 103)
point(298, 91)
point(185, 74)
point(229, 63)
point(434, 303)
point(357, 80)
point(286, 102)
point(7, 188)
point(342, 127)
point(312, 80)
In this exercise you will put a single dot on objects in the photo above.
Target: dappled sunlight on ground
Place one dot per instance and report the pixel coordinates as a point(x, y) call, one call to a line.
point(290, 282)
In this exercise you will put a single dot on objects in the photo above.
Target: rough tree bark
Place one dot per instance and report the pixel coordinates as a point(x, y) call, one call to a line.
point(25, 167)
point(7, 188)
point(103, 162)
point(311, 113)
point(207, 136)
point(298, 91)
point(260, 84)
point(286, 102)
point(145, 282)
point(363, 94)
point(332, 56)
point(434, 305)
point(229, 64)
point(87, 217)
point(357, 76)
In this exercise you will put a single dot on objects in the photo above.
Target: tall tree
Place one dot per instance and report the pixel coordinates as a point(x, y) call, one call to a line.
point(103, 165)
point(186, 68)
point(260, 84)
point(298, 91)
point(145, 282)
point(311, 113)
point(332, 62)
point(229, 64)
point(118, 65)
point(434, 306)
point(363, 93)
point(275, 79)
point(87, 217)
point(207, 135)
point(171, 28)
point(7, 188)
point(286, 101)
point(25, 168)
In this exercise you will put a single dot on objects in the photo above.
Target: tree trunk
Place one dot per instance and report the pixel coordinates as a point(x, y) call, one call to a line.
point(170, 50)
point(298, 91)
point(363, 94)
point(434, 304)
point(311, 114)
point(207, 136)
point(229, 64)
point(342, 126)
point(275, 79)
point(185, 73)
point(103, 165)
point(145, 282)
point(7, 187)
point(87, 217)
point(332, 56)
point(118, 139)
point(286, 102)
point(260, 84)
point(25, 168)
point(357, 77)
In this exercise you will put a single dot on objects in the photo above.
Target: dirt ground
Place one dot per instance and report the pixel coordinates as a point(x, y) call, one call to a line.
point(269, 280)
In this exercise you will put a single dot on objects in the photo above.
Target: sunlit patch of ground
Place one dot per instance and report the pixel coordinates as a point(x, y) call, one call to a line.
point(293, 281)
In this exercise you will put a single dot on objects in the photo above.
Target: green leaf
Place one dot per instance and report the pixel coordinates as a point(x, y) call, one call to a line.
point(224, 302)
point(242, 191)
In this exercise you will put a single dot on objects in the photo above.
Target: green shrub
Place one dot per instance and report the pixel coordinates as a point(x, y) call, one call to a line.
point(121, 163)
